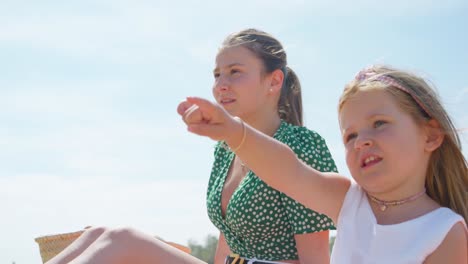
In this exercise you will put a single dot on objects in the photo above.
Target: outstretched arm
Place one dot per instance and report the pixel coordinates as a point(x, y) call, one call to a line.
point(271, 160)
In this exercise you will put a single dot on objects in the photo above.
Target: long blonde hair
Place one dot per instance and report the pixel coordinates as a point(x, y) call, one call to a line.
point(447, 172)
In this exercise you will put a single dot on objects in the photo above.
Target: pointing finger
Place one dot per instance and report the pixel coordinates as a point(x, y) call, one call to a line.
point(192, 115)
point(204, 104)
point(182, 107)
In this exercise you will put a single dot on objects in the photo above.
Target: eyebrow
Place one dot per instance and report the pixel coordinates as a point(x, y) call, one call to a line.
point(230, 65)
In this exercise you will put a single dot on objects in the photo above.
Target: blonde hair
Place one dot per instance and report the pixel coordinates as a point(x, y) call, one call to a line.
point(447, 172)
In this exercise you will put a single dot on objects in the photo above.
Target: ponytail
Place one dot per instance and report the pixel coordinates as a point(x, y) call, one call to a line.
point(290, 101)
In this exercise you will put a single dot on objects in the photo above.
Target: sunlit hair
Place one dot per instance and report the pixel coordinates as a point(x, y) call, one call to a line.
point(273, 56)
point(447, 172)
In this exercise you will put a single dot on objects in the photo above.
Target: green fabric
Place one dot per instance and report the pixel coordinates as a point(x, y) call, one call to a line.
point(260, 221)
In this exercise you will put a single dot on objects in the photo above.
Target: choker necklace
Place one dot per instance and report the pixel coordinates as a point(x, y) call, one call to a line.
point(383, 205)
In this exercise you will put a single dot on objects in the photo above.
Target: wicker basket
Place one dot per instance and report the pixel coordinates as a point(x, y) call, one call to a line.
point(179, 246)
point(50, 246)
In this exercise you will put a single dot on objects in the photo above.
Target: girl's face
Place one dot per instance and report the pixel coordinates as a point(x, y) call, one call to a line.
point(238, 83)
point(384, 145)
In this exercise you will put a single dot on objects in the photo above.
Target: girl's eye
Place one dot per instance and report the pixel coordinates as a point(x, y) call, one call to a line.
point(379, 123)
point(215, 75)
point(349, 137)
point(234, 71)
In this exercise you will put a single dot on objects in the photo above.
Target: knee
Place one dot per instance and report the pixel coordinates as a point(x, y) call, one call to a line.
point(130, 238)
point(118, 236)
point(121, 232)
point(122, 236)
point(96, 230)
point(128, 245)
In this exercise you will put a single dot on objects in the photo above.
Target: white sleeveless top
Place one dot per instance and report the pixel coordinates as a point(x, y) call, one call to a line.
point(360, 240)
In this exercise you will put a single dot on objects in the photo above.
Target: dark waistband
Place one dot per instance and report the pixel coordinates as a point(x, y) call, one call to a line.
point(240, 260)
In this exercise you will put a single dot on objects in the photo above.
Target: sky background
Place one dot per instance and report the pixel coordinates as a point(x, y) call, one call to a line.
point(89, 133)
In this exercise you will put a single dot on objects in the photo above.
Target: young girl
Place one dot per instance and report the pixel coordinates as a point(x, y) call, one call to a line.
point(409, 202)
point(253, 81)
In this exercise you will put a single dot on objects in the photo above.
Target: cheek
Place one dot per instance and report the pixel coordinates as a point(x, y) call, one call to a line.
point(389, 138)
point(215, 92)
point(247, 80)
point(350, 158)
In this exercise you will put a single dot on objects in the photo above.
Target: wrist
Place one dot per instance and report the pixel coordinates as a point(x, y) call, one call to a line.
point(238, 134)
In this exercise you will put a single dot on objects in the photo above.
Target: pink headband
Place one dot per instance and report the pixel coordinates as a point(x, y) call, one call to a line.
point(390, 81)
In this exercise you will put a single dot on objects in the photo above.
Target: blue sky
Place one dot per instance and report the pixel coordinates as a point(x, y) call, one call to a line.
point(89, 133)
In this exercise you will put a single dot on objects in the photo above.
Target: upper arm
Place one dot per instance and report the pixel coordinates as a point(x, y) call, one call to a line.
point(453, 248)
point(316, 183)
point(313, 247)
point(321, 192)
point(222, 250)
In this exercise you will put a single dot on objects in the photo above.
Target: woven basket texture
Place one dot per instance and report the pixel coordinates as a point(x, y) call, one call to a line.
point(50, 246)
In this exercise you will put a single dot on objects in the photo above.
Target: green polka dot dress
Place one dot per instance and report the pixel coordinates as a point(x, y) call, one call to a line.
point(260, 221)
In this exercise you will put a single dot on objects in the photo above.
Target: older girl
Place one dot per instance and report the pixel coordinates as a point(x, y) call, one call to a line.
point(257, 223)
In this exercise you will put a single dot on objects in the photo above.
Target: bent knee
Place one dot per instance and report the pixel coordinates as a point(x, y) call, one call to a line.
point(131, 242)
point(122, 233)
point(94, 232)
point(98, 229)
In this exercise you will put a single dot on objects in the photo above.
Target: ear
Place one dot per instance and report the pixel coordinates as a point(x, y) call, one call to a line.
point(276, 81)
point(434, 135)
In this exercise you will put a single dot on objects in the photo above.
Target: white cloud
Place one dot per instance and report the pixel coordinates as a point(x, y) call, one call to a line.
point(462, 97)
point(383, 9)
point(116, 24)
point(66, 98)
point(85, 133)
point(132, 37)
point(122, 149)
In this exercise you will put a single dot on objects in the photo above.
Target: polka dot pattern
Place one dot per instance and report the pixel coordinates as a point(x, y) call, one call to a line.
point(260, 221)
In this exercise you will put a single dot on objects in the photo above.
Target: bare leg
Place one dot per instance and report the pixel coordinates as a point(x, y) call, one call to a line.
point(78, 246)
point(122, 246)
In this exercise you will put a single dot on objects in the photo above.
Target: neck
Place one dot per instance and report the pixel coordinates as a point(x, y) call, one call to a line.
point(383, 204)
point(265, 124)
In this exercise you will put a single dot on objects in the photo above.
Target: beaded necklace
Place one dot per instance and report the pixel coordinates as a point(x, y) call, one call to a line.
point(383, 205)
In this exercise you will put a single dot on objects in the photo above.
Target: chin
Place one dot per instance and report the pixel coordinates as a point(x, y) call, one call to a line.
point(373, 183)
point(229, 109)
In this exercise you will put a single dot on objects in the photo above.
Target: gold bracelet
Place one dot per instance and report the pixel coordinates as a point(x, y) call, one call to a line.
point(244, 132)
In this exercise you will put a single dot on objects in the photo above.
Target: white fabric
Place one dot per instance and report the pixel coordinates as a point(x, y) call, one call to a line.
point(252, 261)
point(360, 240)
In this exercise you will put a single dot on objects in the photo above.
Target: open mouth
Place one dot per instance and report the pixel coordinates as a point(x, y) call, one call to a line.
point(369, 161)
point(227, 101)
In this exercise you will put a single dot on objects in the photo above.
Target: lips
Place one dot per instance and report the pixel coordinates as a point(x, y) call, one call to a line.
point(227, 100)
point(370, 160)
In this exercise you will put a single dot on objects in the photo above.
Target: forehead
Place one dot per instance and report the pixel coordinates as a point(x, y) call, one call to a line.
point(364, 104)
point(235, 55)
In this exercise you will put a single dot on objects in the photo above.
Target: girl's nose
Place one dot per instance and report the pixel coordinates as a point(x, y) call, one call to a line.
point(222, 88)
point(221, 84)
point(362, 141)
